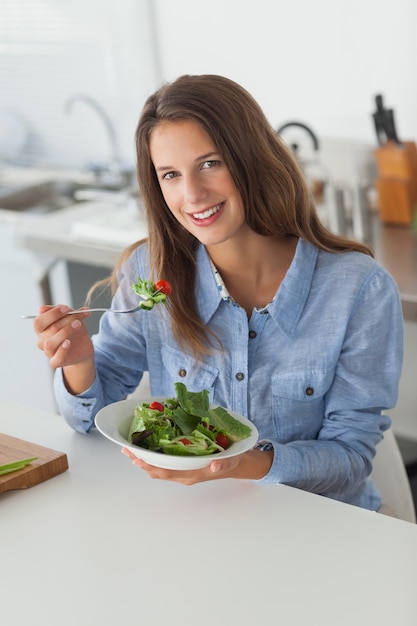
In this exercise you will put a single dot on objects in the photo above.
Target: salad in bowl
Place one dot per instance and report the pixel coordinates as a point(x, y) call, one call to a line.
point(183, 432)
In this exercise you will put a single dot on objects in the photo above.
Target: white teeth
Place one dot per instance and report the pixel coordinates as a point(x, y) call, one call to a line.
point(205, 214)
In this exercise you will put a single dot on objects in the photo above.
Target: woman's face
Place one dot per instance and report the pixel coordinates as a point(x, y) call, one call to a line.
point(195, 182)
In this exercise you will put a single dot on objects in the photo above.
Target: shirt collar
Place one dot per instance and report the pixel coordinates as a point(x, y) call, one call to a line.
point(290, 299)
point(292, 295)
point(207, 291)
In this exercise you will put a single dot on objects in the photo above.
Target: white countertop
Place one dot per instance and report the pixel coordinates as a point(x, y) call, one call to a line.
point(103, 544)
point(91, 232)
point(18, 176)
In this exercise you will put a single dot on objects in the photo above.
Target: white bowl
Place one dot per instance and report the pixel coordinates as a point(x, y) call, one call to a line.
point(113, 421)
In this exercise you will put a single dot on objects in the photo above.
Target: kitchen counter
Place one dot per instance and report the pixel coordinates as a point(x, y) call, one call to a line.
point(395, 248)
point(87, 233)
point(102, 543)
point(94, 233)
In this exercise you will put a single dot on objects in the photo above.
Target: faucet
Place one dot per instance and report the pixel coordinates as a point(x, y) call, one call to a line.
point(114, 168)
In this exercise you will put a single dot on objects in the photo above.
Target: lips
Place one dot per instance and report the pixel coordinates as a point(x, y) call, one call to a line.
point(207, 214)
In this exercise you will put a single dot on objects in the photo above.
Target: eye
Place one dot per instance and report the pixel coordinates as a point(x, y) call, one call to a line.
point(169, 175)
point(209, 164)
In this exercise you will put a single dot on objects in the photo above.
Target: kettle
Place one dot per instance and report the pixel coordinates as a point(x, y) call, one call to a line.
point(312, 168)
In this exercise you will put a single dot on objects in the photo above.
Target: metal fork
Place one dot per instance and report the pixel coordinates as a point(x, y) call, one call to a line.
point(77, 311)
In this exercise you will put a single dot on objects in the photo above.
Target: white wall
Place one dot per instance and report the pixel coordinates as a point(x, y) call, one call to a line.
point(322, 61)
point(53, 49)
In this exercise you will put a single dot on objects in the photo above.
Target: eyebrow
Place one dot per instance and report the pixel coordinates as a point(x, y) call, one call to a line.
point(202, 157)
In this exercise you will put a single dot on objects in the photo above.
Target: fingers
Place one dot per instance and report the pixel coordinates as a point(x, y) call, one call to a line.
point(216, 469)
point(49, 315)
point(58, 357)
point(51, 342)
point(129, 454)
point(63, 338)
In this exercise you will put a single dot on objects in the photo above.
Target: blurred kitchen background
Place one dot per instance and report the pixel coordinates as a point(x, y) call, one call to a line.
point(74, 75)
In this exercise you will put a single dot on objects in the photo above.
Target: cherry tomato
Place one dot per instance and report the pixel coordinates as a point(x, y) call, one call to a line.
point(157, 406)
point(163, 286)
point(222, 441)
point(185, 441)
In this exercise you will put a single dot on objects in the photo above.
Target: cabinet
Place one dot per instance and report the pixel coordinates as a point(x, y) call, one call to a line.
point(25, 375)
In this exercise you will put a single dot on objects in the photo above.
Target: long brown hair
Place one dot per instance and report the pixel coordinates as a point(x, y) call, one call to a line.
point(273, 189)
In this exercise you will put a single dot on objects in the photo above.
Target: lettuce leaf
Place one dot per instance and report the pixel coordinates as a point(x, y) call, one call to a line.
point(192, 402)
point(199, 445)
point(189, 416)
point(226, 423)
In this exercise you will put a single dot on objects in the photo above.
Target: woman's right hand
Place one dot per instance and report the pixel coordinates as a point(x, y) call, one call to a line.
point(64, 339)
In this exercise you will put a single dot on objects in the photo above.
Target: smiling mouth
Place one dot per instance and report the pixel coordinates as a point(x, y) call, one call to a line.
point(208, 213)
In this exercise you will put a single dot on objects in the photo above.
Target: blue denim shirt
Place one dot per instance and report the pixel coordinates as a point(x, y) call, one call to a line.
point(313, 370)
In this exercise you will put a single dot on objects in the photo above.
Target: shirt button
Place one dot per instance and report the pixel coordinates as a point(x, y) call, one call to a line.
point(240, 376)
point(252, 334)
point(182, 372)
point(309, 391)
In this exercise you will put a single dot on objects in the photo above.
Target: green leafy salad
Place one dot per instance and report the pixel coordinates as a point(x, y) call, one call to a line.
point(151, 293)
point(185, 425)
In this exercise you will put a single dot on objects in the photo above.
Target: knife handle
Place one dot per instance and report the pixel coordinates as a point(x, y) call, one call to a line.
point(390, 126)
point(379, 103)
point(379, 128)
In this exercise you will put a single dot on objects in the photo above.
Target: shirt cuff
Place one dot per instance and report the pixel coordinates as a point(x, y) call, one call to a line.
point(78, 411)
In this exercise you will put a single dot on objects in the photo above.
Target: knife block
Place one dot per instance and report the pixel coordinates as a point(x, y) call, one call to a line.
point(397, 182)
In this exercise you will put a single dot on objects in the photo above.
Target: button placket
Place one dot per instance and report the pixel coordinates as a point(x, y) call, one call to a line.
point(239, 360)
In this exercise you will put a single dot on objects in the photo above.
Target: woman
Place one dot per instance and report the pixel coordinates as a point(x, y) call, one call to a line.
point(282, 321)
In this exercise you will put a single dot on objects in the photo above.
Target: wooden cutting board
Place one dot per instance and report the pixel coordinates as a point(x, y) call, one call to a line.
point(48, 464)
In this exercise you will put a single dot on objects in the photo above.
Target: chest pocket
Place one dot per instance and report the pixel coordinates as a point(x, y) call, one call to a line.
point(185, 369)
point(298, 400)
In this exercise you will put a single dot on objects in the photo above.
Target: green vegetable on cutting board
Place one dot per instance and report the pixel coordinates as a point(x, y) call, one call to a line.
point(14, 466)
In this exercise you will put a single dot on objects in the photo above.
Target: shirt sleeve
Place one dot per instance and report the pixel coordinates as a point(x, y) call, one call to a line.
point(119, 352)
point(365, 384)
point(78, 411)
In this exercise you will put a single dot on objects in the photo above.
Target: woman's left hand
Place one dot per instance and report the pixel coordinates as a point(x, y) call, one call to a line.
point(250, 465)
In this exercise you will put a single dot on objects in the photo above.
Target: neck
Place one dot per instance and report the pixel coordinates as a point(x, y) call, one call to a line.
point(253, 273)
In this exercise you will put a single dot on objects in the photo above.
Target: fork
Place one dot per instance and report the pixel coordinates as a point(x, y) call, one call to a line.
point(102, 310)
point(77, 311)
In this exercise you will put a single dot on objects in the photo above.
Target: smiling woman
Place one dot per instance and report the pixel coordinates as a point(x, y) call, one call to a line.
point(269, 311)
point(197, 185)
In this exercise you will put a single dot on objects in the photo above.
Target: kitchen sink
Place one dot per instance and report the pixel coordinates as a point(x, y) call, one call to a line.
point(43, 197)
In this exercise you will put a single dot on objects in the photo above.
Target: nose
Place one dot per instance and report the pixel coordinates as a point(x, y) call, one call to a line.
point(194, 190)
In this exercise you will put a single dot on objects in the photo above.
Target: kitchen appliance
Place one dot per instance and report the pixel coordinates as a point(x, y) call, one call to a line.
point(312, 167)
